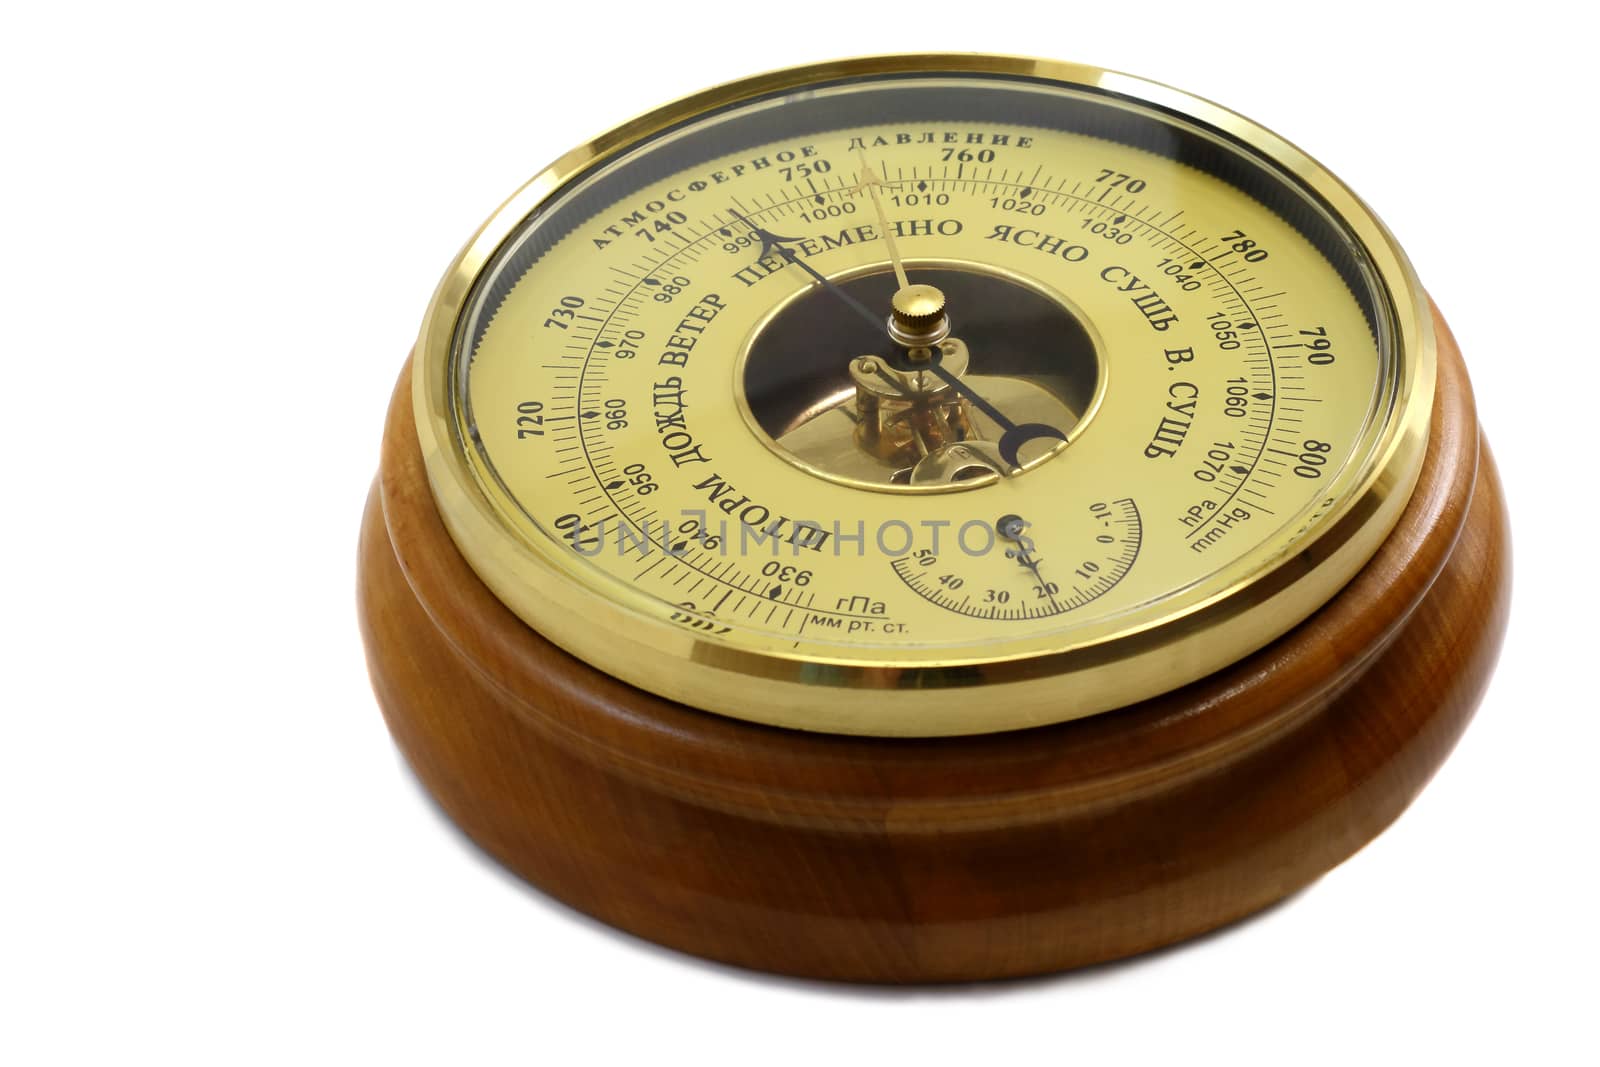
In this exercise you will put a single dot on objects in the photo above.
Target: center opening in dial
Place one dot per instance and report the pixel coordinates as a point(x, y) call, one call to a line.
point(1002, 376)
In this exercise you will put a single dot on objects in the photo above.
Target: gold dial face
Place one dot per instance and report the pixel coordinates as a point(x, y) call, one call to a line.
point(924, 395)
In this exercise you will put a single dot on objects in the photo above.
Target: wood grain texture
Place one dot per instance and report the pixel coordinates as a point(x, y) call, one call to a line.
point(894, 860)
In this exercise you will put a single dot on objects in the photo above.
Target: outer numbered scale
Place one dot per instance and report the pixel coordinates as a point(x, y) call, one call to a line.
point(931, 517)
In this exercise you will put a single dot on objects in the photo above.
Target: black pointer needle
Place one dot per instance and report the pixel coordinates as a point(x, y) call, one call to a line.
point(1012, 436)
point(771, 242)
point(1011, 528)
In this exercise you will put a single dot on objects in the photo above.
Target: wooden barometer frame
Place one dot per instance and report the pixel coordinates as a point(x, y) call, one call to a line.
point(944, 858)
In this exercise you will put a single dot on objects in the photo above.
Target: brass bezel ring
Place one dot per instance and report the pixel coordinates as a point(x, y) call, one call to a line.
point(630, 634)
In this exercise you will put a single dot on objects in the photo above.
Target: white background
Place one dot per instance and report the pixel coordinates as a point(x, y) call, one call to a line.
point(221, 226)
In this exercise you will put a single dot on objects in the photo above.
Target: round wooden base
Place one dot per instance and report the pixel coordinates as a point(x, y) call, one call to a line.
point(892, 860)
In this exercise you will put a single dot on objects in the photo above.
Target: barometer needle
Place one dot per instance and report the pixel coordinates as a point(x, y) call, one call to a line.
point(1012, 436)
point(771, 242)
point(868, 179)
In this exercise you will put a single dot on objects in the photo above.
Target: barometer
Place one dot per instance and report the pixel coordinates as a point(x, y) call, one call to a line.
point(930, 517)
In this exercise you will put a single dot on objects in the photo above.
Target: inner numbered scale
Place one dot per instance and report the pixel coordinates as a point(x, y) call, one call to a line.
point(918, 397)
